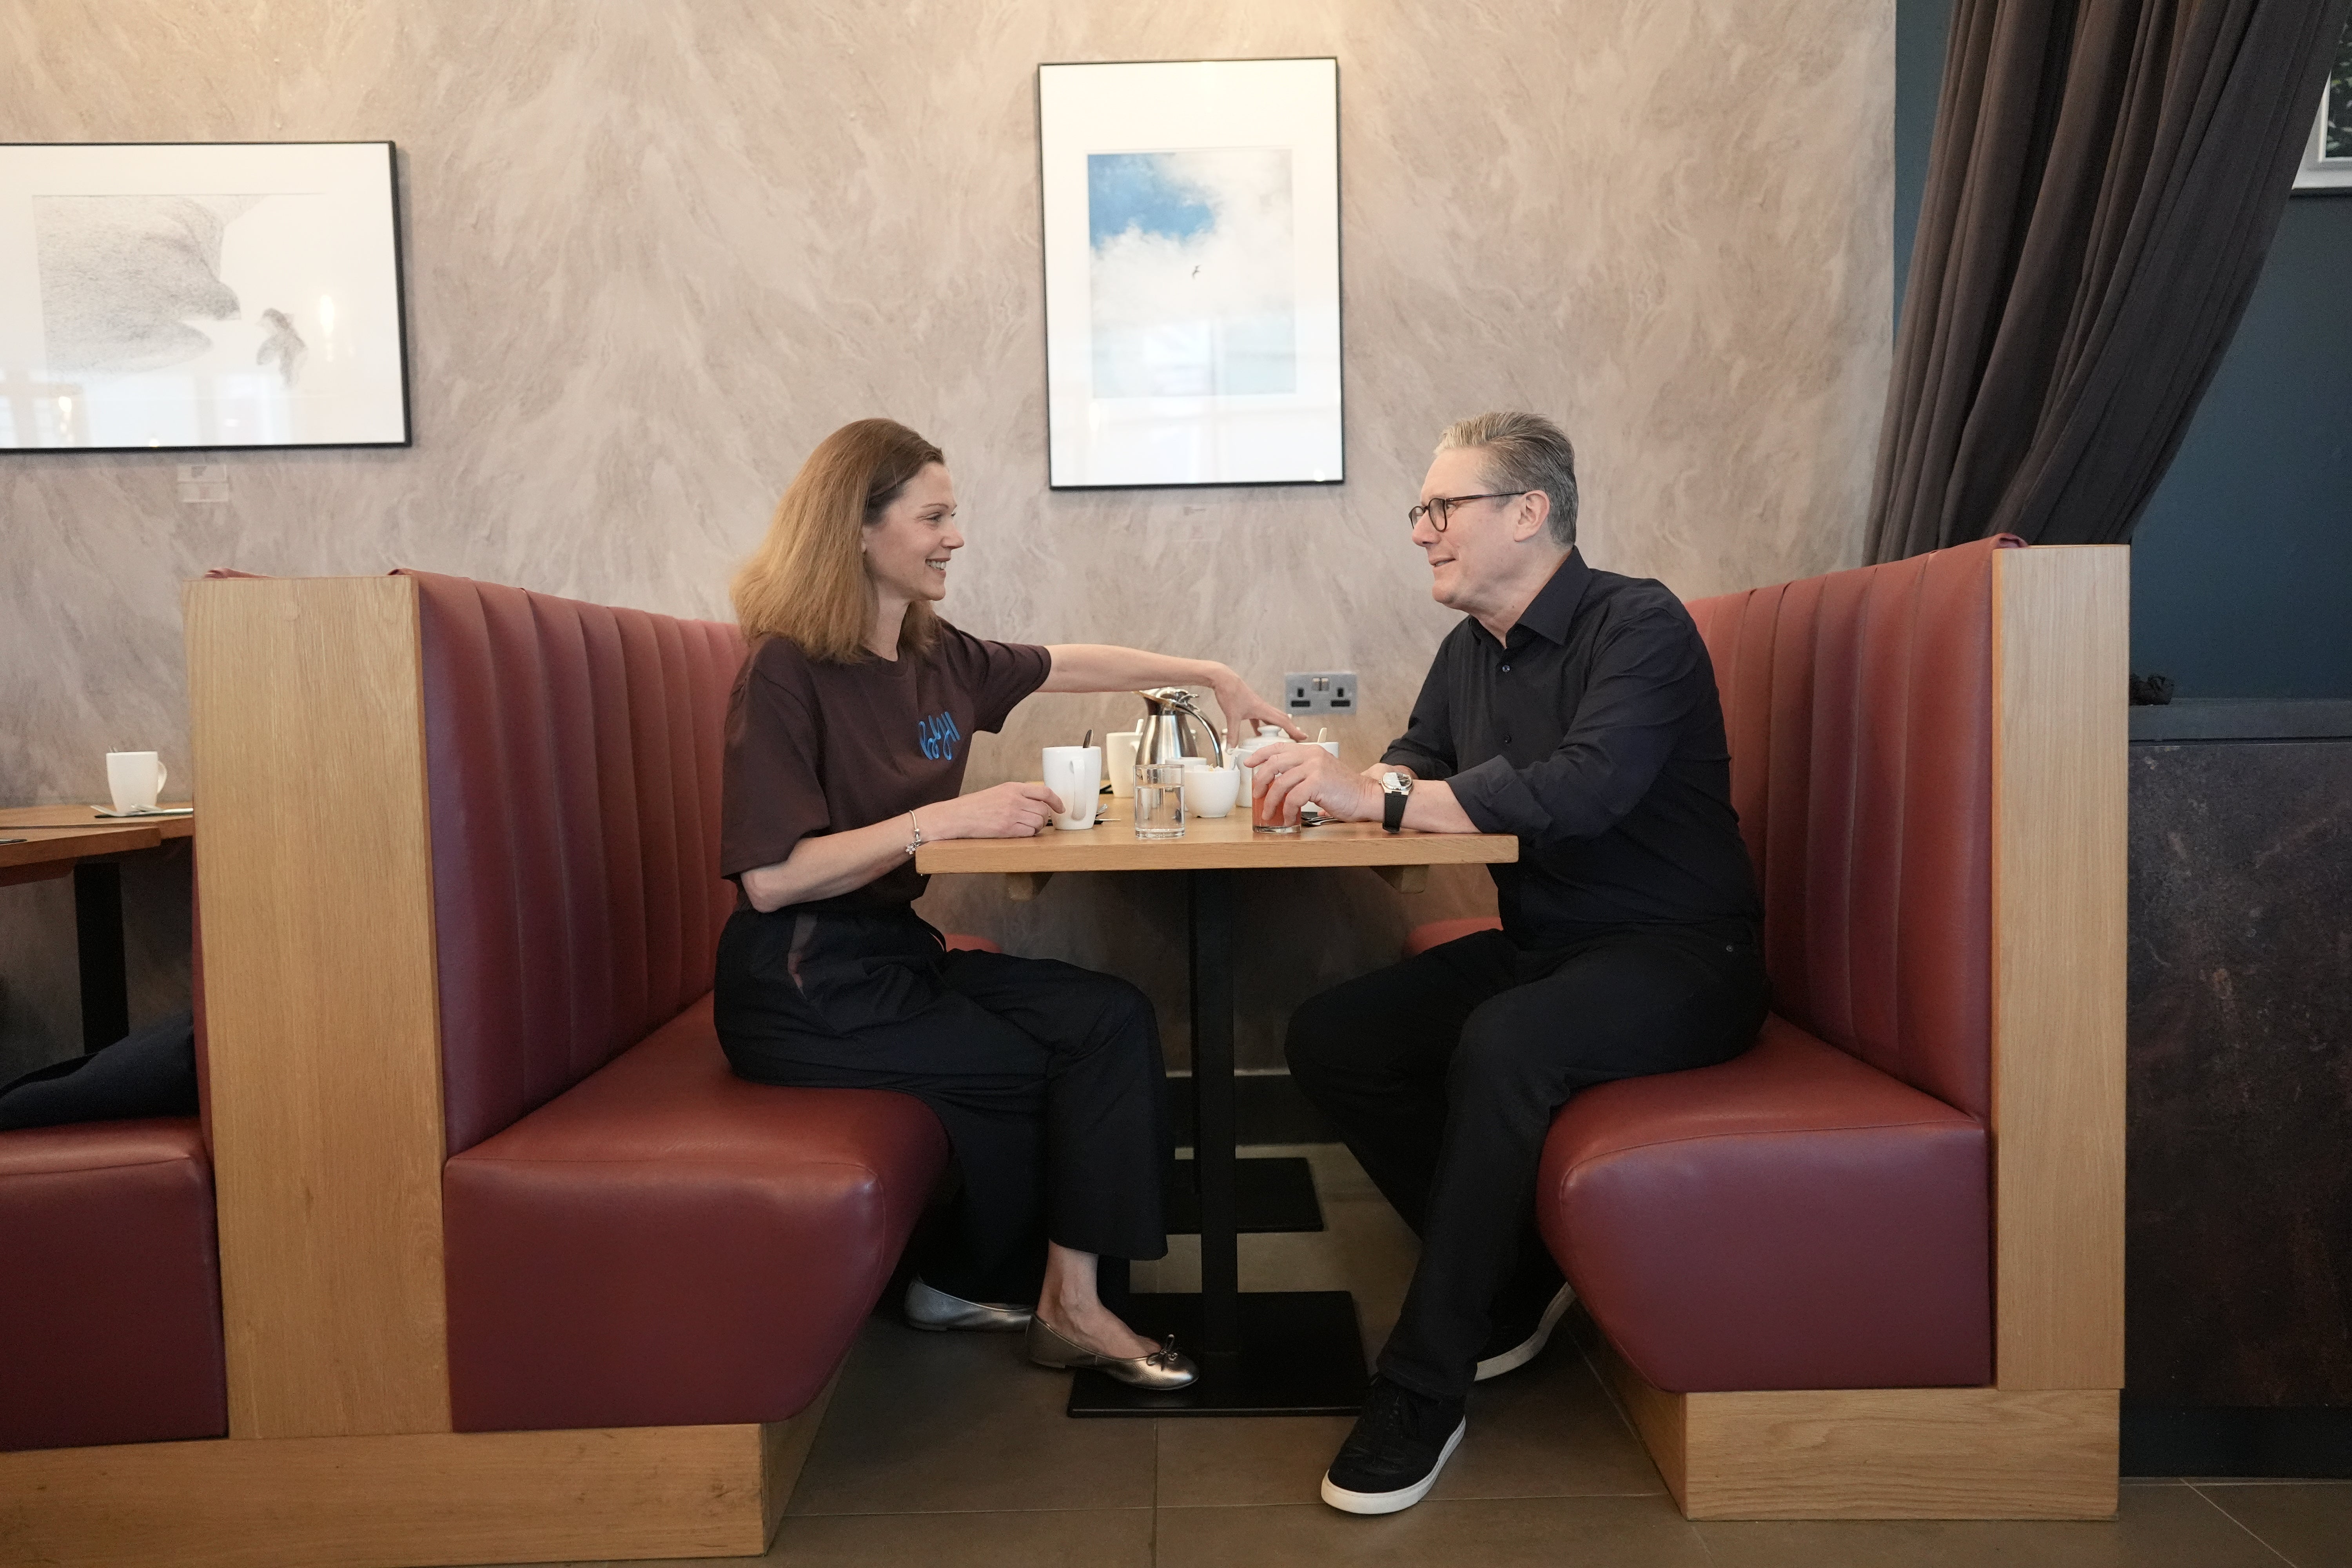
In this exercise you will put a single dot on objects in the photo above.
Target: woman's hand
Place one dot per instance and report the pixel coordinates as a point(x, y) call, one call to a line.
point(1008, 811)
point(825, 865)
point(1244, 709)
point(1101, 666)
point(1296, 774)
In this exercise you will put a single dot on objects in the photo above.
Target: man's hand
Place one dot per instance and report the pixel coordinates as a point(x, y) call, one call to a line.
point(1296, 774)
point(1008, 811)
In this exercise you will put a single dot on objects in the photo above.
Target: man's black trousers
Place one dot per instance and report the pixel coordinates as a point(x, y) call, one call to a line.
point(1443, 1073)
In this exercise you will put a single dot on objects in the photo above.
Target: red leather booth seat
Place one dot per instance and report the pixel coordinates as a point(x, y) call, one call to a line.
point(1816, 1214)
point(1793, 1218)
point(702, 1221)
point(660, 1244)
point(109, 1286)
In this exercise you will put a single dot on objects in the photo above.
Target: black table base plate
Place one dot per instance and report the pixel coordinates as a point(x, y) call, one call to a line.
point(1301, 1355)
point(1275, 1193)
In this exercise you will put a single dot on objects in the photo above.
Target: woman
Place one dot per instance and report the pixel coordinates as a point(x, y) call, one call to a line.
point(846, 742)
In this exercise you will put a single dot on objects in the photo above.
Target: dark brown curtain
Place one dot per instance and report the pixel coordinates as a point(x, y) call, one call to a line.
point(2106, 179)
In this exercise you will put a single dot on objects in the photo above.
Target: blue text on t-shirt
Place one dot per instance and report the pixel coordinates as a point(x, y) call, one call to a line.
point(938, 736)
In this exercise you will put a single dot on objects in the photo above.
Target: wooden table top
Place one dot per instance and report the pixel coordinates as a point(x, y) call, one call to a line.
point(56, 834)
point(1211, 844)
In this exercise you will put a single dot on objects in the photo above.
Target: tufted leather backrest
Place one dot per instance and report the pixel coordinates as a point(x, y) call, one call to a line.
point(1859, 709)
point(572, 755)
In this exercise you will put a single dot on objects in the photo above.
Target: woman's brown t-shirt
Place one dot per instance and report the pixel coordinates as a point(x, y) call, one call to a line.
point(826, 748)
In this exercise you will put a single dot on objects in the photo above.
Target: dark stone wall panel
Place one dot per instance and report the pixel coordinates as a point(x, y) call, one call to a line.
point(2240, 1231)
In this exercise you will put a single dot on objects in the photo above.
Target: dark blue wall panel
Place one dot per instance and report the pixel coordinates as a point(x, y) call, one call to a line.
point(1920, 27)
point(2241, 567)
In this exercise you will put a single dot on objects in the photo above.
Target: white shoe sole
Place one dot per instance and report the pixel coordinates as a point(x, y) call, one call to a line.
point(1527, 1350)
point(1403, 1498)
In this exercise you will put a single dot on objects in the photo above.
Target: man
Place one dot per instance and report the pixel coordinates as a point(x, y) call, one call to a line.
point(1577, 709)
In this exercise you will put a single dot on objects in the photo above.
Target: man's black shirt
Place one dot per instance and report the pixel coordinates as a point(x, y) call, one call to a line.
point(1594, 734)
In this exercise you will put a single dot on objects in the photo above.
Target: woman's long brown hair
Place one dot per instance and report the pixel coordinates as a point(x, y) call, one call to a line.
point(807, 579)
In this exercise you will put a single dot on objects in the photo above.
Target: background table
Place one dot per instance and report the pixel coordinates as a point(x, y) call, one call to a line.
point(61, 839)
point(1266, 1353)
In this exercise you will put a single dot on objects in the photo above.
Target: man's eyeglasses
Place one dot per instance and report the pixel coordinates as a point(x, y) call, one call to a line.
point(1439, 509)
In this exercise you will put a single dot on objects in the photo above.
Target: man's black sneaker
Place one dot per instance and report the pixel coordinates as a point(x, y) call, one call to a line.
point(1520, 1338)
point(1391, 1458)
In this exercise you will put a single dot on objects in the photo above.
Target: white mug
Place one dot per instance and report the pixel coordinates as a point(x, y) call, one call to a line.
point(1074, 773)
point(134, 779)
point(1211, 792)
point(1120, 760)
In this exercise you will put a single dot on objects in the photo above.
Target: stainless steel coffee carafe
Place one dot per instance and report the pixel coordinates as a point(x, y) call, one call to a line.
point(1173, 728)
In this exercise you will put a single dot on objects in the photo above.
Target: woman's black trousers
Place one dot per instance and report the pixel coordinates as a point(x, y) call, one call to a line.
point(1046, 1076)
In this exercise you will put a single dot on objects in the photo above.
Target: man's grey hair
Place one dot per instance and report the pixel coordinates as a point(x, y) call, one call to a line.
point(1524, 452)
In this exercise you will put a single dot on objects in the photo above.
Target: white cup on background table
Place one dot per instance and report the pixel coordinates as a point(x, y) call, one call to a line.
point(134, 779)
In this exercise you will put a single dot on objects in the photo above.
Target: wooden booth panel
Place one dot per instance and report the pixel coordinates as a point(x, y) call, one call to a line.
point(1873, 1453)
point(405, 1501)
point(321, 1021)
point(2060, 678)
point(1900, 1453)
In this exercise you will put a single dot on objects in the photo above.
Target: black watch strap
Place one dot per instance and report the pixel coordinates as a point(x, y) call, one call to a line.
point(1392, 809)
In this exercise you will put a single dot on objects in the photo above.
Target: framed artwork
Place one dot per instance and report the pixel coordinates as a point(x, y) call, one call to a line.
point(1191, 239)
point(2328, 157)
point(200, 295)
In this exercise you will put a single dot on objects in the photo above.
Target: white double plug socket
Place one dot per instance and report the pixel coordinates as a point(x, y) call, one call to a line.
point(1319, 691)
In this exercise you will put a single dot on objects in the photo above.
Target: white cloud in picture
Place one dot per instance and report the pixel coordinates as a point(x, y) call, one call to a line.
point(1192, 281)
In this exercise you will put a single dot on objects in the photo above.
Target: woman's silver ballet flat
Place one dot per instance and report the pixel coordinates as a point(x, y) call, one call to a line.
point(934, 1309)
point(1162, 1369)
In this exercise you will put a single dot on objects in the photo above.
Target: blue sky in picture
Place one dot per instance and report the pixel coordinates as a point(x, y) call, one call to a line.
point(1137, 190)
point(1193, 273)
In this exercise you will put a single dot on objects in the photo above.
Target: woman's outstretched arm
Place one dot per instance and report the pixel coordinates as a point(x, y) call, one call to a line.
point(1101, 667)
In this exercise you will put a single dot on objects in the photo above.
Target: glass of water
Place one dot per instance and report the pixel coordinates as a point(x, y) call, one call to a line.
point(1159, 800)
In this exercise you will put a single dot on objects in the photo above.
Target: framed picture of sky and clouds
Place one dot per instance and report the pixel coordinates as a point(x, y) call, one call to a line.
point(1192, 218)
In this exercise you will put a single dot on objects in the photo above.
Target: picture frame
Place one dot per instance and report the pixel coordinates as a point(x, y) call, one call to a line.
point(183, 295)
point(2328, 155)
point(1191, 222)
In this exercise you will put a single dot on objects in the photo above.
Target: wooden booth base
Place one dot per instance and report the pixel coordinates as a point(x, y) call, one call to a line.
point(1873, 1453)
point(405, 1501)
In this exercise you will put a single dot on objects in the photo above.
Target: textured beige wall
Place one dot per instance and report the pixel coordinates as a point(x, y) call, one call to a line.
point(655, 250)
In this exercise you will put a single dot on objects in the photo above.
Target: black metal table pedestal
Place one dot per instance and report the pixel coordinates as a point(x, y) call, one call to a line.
point(98, 932)
point(1273, 1194)
point(1293, 1352)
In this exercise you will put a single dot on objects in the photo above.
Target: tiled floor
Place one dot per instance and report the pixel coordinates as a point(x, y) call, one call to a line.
point(948, 1449)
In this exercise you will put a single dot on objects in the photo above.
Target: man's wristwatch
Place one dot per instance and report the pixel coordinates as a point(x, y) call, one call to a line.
point(1395, 790)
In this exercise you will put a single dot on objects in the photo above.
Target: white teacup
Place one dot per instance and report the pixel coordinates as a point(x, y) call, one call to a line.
point(1074, 773)
point(1211, 792)
point(134, 779)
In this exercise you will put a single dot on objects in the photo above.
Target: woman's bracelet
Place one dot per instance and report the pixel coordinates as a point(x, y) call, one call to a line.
point(918, 827)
